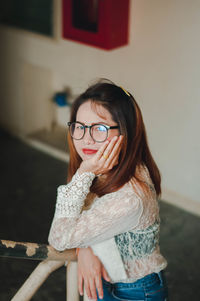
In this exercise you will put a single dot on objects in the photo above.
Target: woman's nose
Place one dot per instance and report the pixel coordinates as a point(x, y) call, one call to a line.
point(87, 137)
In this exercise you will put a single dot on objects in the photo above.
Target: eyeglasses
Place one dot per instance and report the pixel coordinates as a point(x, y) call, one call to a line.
point(98, 131)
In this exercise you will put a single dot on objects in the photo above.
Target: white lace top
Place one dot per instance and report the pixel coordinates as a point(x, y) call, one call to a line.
point(121, 227)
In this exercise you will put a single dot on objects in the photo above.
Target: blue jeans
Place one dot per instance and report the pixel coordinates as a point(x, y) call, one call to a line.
point(152, 287)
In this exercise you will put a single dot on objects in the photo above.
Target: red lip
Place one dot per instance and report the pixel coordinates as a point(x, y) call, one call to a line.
point(88, 151)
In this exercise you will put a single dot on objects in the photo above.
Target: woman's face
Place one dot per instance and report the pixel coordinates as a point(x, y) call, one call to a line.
point(89, 114)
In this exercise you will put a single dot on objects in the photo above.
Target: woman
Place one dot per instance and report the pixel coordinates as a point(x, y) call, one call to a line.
point(108, 210)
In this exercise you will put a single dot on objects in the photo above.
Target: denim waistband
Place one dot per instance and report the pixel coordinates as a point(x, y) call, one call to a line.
point(145, 281)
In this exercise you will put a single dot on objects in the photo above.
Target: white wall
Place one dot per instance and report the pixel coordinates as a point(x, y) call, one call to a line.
point(160, 66)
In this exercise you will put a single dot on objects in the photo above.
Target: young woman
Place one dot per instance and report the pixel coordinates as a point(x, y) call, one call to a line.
point(109, 210)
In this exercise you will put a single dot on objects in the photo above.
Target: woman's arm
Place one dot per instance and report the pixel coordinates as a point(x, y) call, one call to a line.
point(109, 215)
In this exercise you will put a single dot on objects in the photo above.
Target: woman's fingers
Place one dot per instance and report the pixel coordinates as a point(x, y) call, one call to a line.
point(92, 289)
point(99, 286)
point(110, 154)
point(89, 273)
point(101, 150)
point(114, 160)
point(107, 147)
point(80, 283)
point(100, 163)
point(111, 146)
point(92, 285)
point(87, 288)
point(114, 151)
point(105, 274)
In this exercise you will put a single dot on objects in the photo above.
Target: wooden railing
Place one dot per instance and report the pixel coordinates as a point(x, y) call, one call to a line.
point(50, 259)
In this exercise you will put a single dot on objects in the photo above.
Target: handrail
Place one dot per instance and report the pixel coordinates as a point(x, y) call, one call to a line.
point(51, 260)
point(36, 279)
point(28, 250)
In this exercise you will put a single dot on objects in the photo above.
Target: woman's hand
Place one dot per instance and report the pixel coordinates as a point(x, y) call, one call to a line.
point(105, 159)
point(90, 271)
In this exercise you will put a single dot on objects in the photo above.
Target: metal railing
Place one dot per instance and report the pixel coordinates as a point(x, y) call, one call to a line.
point(50, 259)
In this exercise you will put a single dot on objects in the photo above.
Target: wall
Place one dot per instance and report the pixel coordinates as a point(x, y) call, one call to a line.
point(160, 66)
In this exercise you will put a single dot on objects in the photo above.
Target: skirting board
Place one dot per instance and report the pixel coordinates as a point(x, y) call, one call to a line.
point(180, 201)
point(52, 151)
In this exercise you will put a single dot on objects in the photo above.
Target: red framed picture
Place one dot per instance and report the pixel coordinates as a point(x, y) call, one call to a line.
point(100, 23)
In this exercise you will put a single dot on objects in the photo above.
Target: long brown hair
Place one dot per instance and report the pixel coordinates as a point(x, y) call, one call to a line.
point(135, 150)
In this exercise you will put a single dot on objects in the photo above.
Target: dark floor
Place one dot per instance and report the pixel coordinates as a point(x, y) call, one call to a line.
point(28, 182)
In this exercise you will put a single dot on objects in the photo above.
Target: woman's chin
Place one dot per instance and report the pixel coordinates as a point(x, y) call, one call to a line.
point(87, 157)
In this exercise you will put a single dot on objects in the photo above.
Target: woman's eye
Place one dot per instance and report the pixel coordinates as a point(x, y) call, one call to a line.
point(79, 127)
point(101, 128)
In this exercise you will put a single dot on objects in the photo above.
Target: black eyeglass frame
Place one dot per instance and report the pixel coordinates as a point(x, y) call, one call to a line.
point(108, 127)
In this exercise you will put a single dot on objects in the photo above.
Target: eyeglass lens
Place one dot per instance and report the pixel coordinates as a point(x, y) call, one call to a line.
point(98, 132)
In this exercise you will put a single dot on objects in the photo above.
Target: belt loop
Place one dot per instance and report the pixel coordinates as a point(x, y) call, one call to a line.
point(160, 277)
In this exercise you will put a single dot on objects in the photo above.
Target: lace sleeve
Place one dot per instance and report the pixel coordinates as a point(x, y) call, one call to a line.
point(70, 197)
point(109, 215)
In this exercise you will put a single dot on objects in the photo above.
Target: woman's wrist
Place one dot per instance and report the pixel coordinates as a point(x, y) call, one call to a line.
point(82, 169)
point(77, 251)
